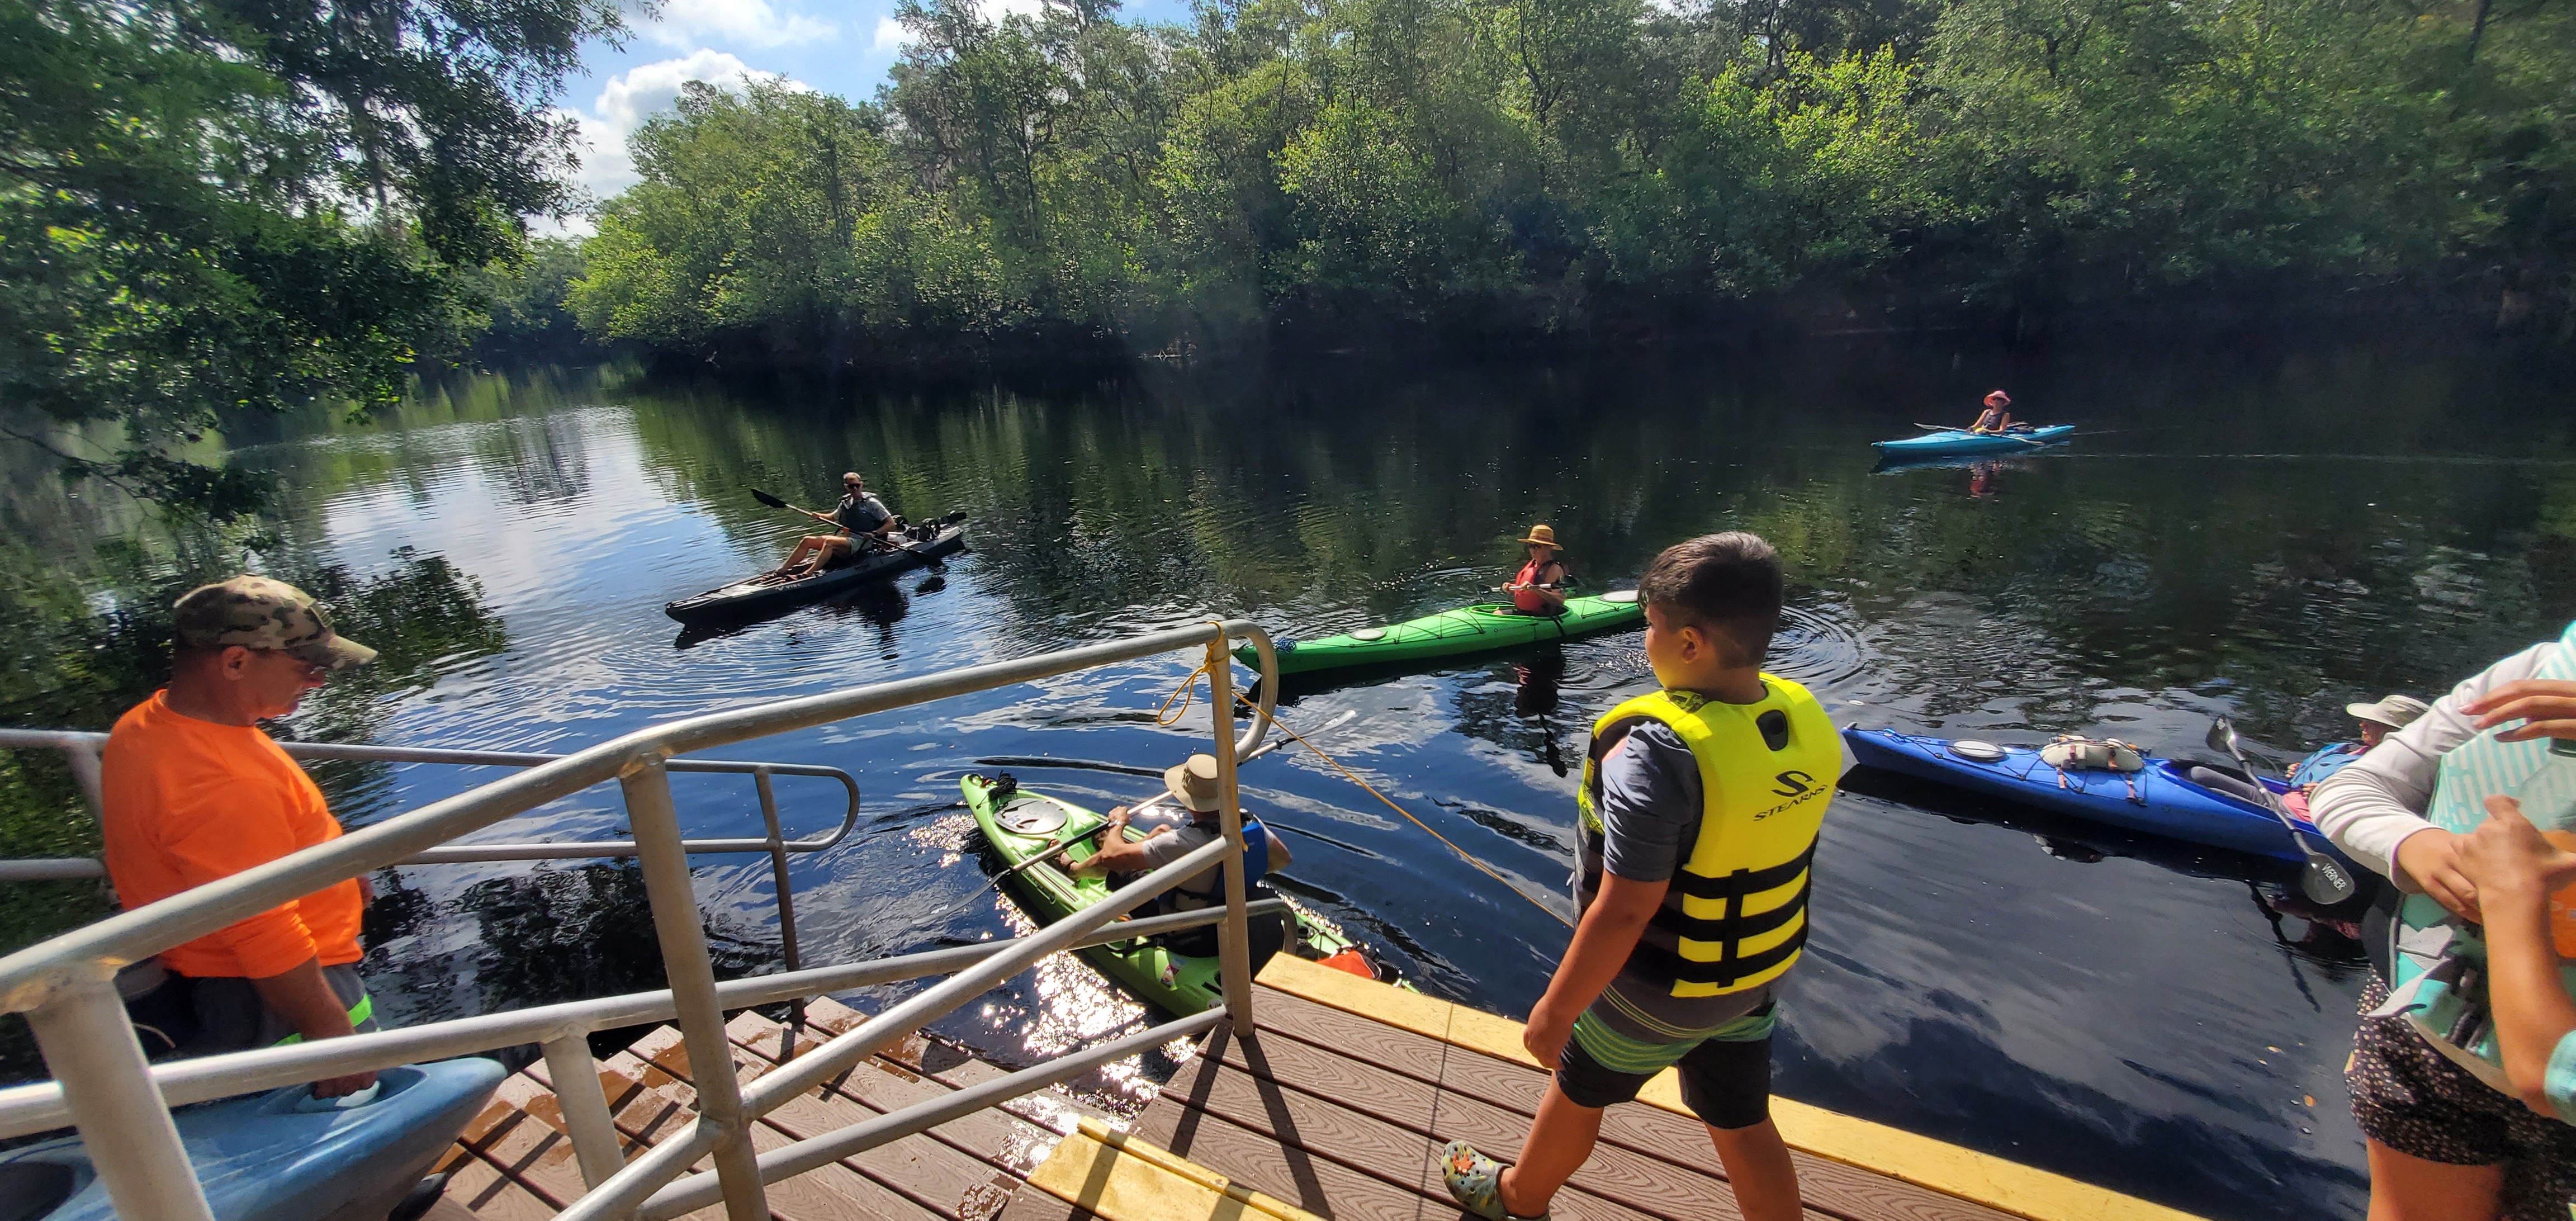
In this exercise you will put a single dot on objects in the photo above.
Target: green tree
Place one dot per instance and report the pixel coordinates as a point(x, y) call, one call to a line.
point(210, 207)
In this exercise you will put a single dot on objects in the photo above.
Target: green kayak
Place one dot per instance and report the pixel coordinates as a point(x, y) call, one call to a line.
point(1020, 824)
point(1469, 629)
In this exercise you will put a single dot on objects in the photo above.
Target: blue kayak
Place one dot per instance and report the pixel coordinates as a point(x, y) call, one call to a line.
point(2156, 801)
point(1955, 441)
point(264, 1158)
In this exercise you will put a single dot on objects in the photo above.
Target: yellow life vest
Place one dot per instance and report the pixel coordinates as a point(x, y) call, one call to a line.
point(1735, 916)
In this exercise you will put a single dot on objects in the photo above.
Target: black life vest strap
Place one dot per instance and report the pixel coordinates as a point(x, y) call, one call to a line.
point(1725, 971)
point(1734, 926)
point(1743, 882)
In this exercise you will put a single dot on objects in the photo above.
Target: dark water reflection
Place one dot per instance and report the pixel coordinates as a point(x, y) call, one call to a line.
point(2264, 533)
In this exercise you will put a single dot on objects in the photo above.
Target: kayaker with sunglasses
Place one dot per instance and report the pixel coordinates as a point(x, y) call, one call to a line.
point(859, 515)
point(1539, 587)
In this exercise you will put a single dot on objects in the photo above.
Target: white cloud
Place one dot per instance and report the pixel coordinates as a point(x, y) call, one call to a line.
point(636, 95)
point(750, 23)
point(891, 36)
point(995, 10)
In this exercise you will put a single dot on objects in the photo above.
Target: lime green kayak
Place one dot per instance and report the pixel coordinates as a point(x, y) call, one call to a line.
point(1020, 825)
point(1469, 629)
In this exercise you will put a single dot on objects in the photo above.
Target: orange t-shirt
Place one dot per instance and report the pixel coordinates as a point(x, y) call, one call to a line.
point(190, 801)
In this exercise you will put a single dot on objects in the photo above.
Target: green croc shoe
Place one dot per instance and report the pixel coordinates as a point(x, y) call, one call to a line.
point(1476, 1182)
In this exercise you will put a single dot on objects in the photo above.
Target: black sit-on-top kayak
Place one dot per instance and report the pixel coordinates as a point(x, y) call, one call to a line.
point(766, 594)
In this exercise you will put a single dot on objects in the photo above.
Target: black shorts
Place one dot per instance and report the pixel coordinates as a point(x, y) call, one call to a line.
point(1727, 1084)
point(2407, 1096)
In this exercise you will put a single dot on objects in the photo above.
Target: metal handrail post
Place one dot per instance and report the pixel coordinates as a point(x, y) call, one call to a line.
point(585, 1107)
point(693, 983)
point(89, 770)
point(90, 1048)
point(1234, 937)
point(778, 875)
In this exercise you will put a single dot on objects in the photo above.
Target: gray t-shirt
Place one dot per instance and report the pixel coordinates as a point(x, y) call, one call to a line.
point(1650, 809)
point(1187, 835)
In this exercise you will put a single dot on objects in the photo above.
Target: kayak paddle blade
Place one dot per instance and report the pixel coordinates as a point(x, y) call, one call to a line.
point(2326, 881)
point(2222, 737)
point(767, 499)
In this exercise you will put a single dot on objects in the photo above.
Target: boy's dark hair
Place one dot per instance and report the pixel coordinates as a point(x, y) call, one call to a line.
point(1727, 584)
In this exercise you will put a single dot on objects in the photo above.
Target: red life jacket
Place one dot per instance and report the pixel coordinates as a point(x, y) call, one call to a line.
point(1530, 600)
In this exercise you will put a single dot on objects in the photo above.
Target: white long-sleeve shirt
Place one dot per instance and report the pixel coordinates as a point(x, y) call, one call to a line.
point(2375, 802)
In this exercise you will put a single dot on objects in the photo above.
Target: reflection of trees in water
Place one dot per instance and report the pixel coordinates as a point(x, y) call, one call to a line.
point(564, 934)
point(424, 617)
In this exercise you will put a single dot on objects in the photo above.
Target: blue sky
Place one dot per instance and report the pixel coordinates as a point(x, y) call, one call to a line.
point(838, 48)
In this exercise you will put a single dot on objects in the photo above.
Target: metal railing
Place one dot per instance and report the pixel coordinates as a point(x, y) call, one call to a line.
point(120, 1103)
point(85, 750)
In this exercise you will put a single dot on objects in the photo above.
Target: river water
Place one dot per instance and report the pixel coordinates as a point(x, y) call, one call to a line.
point(2269, 531)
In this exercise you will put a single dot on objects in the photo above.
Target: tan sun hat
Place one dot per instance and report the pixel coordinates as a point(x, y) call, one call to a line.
point(1193, 784)
point(1541, 534)
point(2395, 711)
point(259, 613)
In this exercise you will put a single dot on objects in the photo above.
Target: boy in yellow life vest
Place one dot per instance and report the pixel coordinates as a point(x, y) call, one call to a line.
point(1699, 810)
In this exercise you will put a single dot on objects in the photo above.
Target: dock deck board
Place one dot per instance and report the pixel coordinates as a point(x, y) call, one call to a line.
point(515, 1162)
point(1340, 1101)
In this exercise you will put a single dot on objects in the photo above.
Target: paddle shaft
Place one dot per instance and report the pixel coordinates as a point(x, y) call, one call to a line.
point(2323, 871)
point(777, 502)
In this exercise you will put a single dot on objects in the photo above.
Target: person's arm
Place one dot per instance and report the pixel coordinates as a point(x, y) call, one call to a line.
point(1552, 584)
point(2514, 870)
point(1116, 853)
point(2373, 807)
point(1650, 797)
point(1602, 943)
point(306, 1000)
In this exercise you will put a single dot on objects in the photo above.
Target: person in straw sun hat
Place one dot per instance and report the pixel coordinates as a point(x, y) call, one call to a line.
point(2377, 720)
point(1142, 838)
point(1539, 589)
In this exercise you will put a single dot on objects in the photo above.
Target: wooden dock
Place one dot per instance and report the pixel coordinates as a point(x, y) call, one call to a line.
point(1339, 1105)
point(515, 1161)
point(1337, 1108)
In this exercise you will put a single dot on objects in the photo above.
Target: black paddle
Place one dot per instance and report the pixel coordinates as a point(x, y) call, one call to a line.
point(776, 503)
point(2325, 881)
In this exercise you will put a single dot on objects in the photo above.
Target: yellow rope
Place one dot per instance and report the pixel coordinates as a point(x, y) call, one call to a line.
point(1186, 692)
point(1354, 778)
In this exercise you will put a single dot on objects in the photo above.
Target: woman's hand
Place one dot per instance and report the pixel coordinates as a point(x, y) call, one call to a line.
point(2546, 708)
point(2506, 858)
point(2432, 858)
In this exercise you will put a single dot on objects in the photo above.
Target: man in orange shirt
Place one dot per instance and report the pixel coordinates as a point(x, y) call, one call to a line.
point(195, 791)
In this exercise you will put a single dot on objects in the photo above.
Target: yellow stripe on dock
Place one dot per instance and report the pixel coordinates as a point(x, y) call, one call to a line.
point(1120, 1178)
point(1983, 1178)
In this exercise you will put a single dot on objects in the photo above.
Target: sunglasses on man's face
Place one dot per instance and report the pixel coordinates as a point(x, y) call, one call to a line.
point(309, 669)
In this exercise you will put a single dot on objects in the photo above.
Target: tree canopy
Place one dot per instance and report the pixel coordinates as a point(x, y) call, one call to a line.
point(210, 207)
point(1562, 165)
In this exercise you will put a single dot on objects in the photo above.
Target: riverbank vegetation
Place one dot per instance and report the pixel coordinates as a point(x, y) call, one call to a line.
point(1590, 167)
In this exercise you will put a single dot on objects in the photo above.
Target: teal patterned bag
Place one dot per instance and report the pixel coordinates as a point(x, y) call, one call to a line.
point(2438, 961)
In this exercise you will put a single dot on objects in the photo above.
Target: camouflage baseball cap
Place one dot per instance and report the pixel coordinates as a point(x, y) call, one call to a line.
point(258, 613)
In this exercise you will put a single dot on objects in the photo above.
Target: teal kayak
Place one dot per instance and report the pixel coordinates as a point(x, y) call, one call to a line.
point(1959, 441)
point(1469, 629)
point(1020, 824)
point(280, 1156)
